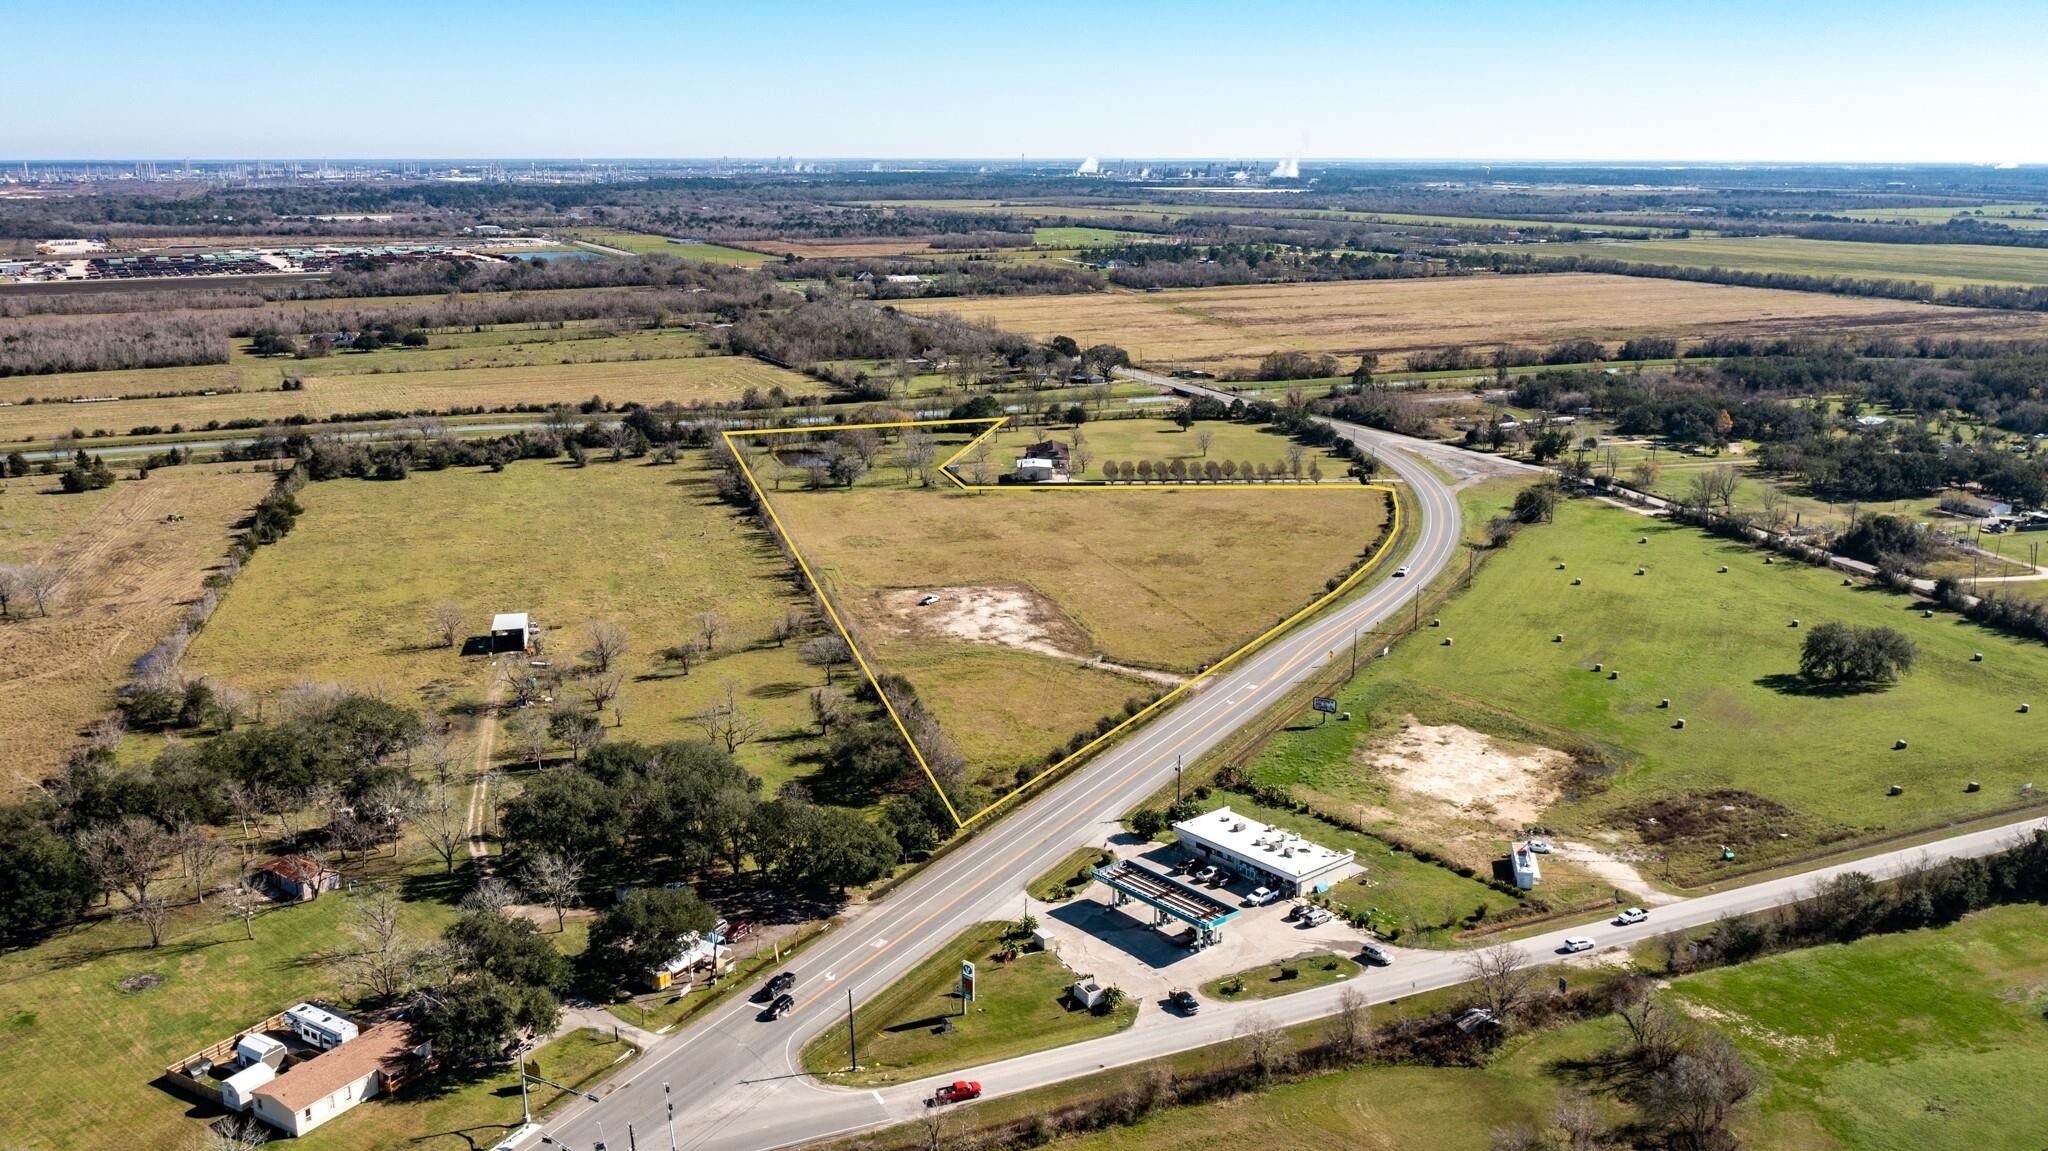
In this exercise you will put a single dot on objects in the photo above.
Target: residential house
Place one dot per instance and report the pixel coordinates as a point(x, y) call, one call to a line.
point(317, 1090)
point(296, 878)
point(1048, 460)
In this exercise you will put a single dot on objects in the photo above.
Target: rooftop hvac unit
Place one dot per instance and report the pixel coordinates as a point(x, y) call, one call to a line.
point(1237, 827)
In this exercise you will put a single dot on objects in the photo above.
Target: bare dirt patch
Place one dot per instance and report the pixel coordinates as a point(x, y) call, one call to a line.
point(1012, 616)
point(1474, 773)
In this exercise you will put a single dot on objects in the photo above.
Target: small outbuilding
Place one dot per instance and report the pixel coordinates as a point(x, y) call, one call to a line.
point(296, 878)
point(1522, 862)
point(511, 631)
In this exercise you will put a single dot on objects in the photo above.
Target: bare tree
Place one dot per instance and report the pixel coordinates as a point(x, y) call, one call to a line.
point(826, 651)
point(1502, 975)
point(603, 642)
point(918, 452)
point(230, 706)
point(153, 912)
point(828, 708)
point(682, 654)
point(449, 622)
point(1773, 502)
point(1205, 437)
point(125, 856)
point(42, 584)
point(1263, 1047)
point(383, 961)
point(789, 626)
point(1642, 475)
point(725, 723)
point(1351, 1027)
point(556, 879)
point(1655, 1037)
point(529, 732)
point(235, 1134)
point(245, 903)
point(709, 625)
point(1692, 1097)
point(603, 688)
point(444, 830)
point(13, 586)
point(248, 801)
point(493, 894)
point(200, 854)
point(1579, 1121)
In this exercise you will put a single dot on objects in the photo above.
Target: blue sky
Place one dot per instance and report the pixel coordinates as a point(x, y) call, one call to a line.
point(1784, 81)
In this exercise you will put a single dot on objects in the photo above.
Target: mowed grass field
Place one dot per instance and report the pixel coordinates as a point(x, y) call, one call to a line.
point(683, 380)
point(1018, 1008)
point(1721, 648)
point(346, 597)
point(1926, 1041)
point(1163, 441)
point(647, 244)
point(1943, 265)
point(2011, 215)
point(128, 572)
point(1234, 326)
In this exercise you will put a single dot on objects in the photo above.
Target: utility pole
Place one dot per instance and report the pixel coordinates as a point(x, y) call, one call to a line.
point(852, 1048)
point(1176, 777)
point(666, 1098)
point(1354, 660)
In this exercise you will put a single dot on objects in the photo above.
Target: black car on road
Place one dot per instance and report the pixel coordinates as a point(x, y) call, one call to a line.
point(1184, 1001)
point(778, 985)
point(781, 1006)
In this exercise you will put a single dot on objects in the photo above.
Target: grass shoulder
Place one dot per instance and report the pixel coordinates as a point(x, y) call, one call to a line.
point(917, 1026)
point(1282, 978)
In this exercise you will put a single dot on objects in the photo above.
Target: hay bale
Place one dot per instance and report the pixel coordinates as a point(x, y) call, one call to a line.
point(1436, 623)
point(1770, 559)
point(1927, 613)
point(1642, 539)
point(1972, 787)
point(1560, 567)
point(1896, 790)
point(1724, 569)
point(1447, 641)
point(1664, 703)
point(1898, 745)
point(1794, 623)
point(1599, 667)
point(1575, 581)
point(1678, 724)
point(1977, 657)
point(1847, 582)
point(1613, 675)
point(2023, 709)
point(1558, 638)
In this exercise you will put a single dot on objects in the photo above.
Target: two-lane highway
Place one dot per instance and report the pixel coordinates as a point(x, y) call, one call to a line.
point(736, 1080)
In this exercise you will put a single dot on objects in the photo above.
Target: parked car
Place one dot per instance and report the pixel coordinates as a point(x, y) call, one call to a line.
point(1632, 915)
point(928, 601)
point(782, 1006)
point(1540, 846)
point(1207, 874)
point(1261, 897)
point(1184, 1001)
point(958, 1091)
point(1294, 912)
point(1316, 917)
point(779, 984)
point(1577, 943)
point(1376, 955)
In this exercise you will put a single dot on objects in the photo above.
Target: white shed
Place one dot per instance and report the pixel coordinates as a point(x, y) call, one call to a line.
point(238, 1091)
point(1523, 862)
point(256, 1047)
point(511, 631)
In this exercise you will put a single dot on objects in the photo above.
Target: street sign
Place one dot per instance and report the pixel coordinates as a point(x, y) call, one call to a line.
point(966, 981)
point(1325, 703)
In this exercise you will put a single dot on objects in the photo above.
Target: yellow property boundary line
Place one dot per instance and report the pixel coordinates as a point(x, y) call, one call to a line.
point(1393, 535)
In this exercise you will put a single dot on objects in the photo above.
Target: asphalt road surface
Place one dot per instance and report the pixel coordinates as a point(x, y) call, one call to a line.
point(735, 1079)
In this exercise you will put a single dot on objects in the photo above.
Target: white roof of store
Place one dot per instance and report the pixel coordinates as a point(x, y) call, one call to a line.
point(1276, 849)
point(509, 621)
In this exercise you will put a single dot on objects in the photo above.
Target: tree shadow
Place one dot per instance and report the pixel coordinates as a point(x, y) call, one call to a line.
point(1787, 683)
point(1609, 1071)
point(438, 886)
point(780, 689)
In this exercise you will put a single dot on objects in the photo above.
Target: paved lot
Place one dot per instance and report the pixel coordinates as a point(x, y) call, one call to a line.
point(1119, 945)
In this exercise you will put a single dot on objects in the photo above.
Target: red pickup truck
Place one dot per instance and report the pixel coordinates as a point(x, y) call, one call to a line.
point(958, 1091)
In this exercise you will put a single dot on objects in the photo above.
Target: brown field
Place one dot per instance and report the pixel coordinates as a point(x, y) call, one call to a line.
point(128, 575)
point(1036, 586)
point(1220, 327)
point(696, 378)
point(826, 249)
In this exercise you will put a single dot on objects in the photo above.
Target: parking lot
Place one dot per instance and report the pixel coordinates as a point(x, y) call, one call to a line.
point(1119, 945)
